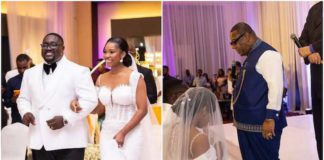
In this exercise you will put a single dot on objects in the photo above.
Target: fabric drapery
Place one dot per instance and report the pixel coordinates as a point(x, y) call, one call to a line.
point(196, 36)
point(153, 47)
point(29, 22)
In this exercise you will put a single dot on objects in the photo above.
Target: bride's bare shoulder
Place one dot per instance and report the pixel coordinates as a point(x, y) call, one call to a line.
point(200, 145)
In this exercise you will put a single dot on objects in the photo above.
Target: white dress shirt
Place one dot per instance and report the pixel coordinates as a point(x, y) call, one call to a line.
point(270, 67)
point(47, 77)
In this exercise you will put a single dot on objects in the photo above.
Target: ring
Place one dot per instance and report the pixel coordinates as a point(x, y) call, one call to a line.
point(269, 134)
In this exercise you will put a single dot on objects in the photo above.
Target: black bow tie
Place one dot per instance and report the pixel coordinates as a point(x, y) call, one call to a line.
point(47, 67)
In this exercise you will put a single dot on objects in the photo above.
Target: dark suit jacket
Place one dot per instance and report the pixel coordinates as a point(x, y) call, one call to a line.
point(312, 34)
point(13, 83)
point(149, 82)
point(4, 114)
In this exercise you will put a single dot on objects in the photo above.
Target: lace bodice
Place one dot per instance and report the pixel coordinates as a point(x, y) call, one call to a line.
point(120, 95)
point(119, 102)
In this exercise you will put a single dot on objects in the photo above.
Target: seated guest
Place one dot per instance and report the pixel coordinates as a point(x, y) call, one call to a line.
point(13, 86)
point(208, 83)
point(200, 80)
point(188, 78)
point(221, 84)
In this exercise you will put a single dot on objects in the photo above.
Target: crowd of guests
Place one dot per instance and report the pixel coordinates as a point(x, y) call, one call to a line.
point(221, 83)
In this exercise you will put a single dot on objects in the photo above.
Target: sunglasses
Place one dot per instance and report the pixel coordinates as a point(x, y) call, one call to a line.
point(237, 39)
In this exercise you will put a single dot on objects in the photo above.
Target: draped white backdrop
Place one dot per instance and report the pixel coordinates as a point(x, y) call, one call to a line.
point(196, 35)
point(29, 22)
point(153, 47)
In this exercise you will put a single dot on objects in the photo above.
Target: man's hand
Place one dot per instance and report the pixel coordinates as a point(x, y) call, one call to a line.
point(14, 99)
point(268, 128)
point(28, 118)
point(75, 106)
point(304, 51)
point(315, 58)
point(56, 123)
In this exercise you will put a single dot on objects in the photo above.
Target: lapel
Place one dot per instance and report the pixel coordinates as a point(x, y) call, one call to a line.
point(52, 85)
point(38, 79)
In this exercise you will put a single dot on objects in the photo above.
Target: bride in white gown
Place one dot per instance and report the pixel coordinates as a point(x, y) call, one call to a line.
point(195, 128)
point(123, 99)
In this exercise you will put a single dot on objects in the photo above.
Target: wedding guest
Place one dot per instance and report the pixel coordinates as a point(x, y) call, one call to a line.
point(13, 87)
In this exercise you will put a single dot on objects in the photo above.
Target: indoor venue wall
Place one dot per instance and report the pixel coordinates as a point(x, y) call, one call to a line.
point(29, 22)
point(108, 11)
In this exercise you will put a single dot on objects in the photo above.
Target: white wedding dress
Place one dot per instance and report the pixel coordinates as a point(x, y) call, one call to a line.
point(210, 154)
point(120, 108)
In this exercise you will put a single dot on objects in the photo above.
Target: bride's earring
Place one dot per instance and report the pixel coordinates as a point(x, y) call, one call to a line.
point(122, 58)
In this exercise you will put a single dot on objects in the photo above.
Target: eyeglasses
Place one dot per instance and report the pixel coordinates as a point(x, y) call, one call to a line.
point(237, 39)
point(51, 45)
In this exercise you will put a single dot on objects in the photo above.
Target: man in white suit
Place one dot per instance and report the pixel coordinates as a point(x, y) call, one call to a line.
point(56, 133)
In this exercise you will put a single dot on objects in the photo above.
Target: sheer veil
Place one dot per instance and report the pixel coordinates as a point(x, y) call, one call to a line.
point(188, 110)
point(133, 66)
point(150, 112)
point(151, 147)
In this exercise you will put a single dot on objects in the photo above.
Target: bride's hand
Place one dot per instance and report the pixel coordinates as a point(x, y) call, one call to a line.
point(75, 106)
point(119, 137)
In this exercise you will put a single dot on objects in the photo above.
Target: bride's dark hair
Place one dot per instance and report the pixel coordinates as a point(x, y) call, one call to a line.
point(193, 100)
point(123, 45)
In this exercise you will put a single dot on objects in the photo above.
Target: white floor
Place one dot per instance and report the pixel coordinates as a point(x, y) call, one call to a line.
point(297, 141)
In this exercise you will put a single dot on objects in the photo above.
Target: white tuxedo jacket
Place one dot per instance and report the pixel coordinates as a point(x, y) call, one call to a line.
point(69, 81)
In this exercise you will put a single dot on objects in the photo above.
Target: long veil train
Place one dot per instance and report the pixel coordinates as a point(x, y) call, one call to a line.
point(151, 148)
point(181, 118)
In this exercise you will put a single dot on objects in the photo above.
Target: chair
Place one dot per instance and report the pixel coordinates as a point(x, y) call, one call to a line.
point(14, 141)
